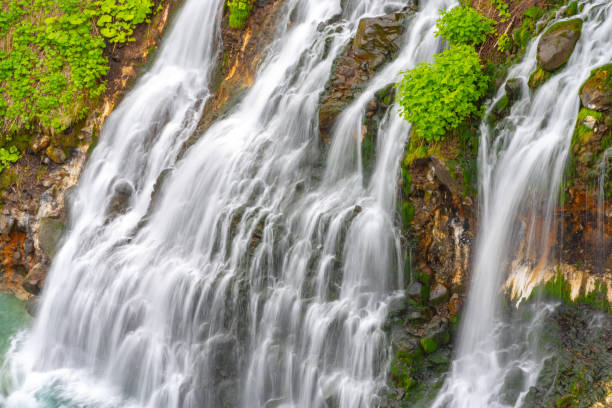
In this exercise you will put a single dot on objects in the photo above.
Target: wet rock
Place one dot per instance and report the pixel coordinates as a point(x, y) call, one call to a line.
point(557, 44)
point(537, 78)
point(414, 291)
point(377, 38)
point(437, 334)
point(421, 315)
point(376, 42)
point(56, 154)
point(454, 304)
point(513, 386)
point(28, 247)
point(122, 193)
point(6, 224)
point(50, 232)
point(513, 89)
point(596, 93)
point(35, 279)
point(32, 306)
point(41, 143)
point(438, 294)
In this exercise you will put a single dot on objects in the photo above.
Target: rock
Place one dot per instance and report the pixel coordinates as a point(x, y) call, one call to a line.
point(56, 154)
point(35, 279)
point(438, 294)
point(6, 224)
point(437, 334)
point(596, 93)
point(537, 78)
point(557, 44)
point(513, 386)
point(16, 256)
point(376, 42)
point(41, 143)
point(421, 315)
point(514, 89)
point(454, 304)
point(122, 193)
point(32, 306)
point(377, 38)
point(414, 291)
point(50, 232)
point(28, 247)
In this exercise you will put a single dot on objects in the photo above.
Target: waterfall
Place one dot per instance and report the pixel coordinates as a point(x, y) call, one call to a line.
point(250, 271)
point(521, 167)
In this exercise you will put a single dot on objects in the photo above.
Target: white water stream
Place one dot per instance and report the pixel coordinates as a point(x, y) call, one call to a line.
point(521, 169)
point(257, 274)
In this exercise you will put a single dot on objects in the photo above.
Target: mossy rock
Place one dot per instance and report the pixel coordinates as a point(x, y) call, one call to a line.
point(50, 231)
point(557, 44)
point(538, 77)
point(596, 93)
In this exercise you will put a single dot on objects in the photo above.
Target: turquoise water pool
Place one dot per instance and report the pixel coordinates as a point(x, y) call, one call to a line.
point(13, 317)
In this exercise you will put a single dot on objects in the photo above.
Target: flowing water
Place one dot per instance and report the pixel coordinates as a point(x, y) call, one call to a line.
point(521, 168)
point(254, 271)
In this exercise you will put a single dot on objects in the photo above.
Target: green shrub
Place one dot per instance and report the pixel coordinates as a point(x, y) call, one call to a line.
point(8, 156)
point(52, 63)
point(239, 11)
point(464, 25)
point(503, 10)
point(437, 97)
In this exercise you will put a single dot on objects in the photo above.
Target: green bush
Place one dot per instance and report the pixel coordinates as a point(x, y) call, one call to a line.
point(8, 156)
point(239, 11)
point(52, 62)
point(437, 97)
point(464, 25)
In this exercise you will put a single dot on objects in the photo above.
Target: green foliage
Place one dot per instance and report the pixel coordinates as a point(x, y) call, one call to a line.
point(117, 18)
point(239, 11)
point(464, 25)
point(8, 156)
point(504, 43)
point(502, 9)
point(52, 64)
point(437, 97)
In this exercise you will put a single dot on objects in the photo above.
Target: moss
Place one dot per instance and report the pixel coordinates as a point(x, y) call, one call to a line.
point(429, 345)
point(239, 12)
point(574, 25)
point(558, 288)
point(538, 77)
point(572, 9)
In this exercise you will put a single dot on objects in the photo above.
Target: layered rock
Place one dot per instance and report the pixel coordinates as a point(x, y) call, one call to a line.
point(376, 42)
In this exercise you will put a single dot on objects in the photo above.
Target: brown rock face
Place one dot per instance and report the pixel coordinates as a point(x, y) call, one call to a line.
point(442, 225)
point(596, 94)
point(375, 43)
point(557, 44)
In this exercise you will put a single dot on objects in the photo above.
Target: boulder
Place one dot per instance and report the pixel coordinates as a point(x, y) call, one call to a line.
point(596, 93)
point(557, 44)
point(122, 194)
point(50, 232)
point(35, 279)
point(377, 38)
point(56, 154)
point(438, 294)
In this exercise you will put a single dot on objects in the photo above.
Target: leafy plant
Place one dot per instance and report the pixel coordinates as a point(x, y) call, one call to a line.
point(8, 156)
point(502, 9)
point(437, 97)
point(52, 62)
point(503, 43)
point(464, 25)
point(239, 11)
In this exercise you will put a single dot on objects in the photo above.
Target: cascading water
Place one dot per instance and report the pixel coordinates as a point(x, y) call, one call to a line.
point(243, 274)
point(521, 168)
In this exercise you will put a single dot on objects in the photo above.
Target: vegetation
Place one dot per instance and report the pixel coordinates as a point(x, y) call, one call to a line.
point(52, 61)
point(464, 25)
point(239, 11)
point(438, 97)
